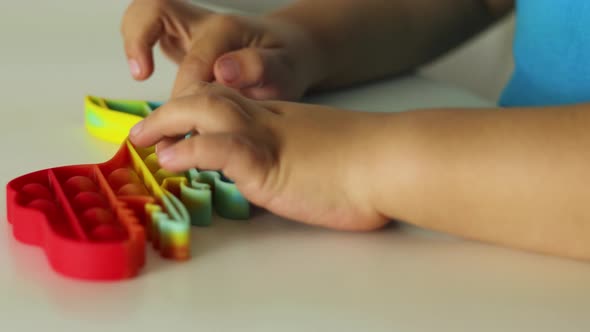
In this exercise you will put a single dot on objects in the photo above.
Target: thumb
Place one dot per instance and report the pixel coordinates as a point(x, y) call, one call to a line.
point(251, 68)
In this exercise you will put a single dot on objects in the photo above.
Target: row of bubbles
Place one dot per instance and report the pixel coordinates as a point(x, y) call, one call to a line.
point(126, 182)
point(92, 208)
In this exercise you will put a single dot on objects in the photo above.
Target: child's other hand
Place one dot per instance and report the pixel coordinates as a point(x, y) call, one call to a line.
point(303, 162)
point(262, 58)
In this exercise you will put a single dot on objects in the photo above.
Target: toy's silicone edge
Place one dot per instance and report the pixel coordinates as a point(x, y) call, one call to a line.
point(171, 232)
point(106, 124)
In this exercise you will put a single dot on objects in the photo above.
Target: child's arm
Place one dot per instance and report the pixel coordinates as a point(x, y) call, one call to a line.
point(367, 39)
point(311, 43)
point(515, 177)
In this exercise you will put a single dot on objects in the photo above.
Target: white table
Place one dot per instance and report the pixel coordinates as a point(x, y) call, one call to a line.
point(266, 274)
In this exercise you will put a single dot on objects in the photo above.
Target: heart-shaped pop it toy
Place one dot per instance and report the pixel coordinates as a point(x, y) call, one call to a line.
point(93, 220)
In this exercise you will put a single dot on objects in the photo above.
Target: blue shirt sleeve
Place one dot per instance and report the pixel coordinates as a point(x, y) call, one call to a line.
point(551, 54)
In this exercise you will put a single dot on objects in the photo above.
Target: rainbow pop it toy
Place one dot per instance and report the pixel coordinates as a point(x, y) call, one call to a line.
point(111, 119)
point(93, 220)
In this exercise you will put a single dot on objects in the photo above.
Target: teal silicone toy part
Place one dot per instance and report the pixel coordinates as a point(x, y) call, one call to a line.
point(203, 192)
point(228, 202)
point(197, 199)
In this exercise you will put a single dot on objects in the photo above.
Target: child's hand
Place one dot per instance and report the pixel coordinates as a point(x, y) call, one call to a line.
point(262, 58)
point(303, 162)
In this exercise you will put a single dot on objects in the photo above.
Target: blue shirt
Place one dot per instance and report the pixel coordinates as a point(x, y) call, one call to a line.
point(551, 54)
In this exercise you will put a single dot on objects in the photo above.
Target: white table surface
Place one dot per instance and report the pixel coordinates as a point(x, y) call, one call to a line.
point(266, 274)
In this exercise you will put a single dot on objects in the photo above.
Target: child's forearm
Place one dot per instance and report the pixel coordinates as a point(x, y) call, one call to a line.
point(518, 177)
point(361, 40)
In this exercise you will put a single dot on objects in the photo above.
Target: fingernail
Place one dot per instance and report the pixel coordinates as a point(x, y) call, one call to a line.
point(134, 68)
point(229, 70)
point(166, 156)
point(136, 130)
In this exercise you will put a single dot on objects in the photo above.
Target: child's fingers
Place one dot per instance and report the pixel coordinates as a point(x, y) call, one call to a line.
point(218, 36)
point(141, 28)
point(197, 64)
point(170, 48)
point(202, 87)
point(201, 113)
point(206, 152)
point(236, 156)
point(166, 143)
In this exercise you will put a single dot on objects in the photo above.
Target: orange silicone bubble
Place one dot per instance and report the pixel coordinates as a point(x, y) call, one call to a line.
point(133, 189)
point(121, 177)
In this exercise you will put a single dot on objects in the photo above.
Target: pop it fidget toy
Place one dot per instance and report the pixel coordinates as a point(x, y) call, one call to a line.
point(111, 119)
point(93, 220)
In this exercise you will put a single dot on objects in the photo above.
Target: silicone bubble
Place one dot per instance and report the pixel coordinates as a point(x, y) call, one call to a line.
point(86, 200)
point(97, 216)
point(48, 207)
point(133, 189)
point(152, 163)
point(79, 183)
point(36, 190)
point(121, 177)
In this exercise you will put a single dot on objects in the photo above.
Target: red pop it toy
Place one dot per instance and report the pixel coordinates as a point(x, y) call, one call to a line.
point(93, 220)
